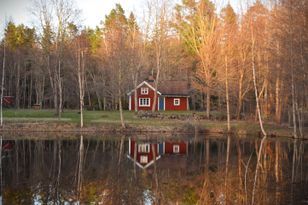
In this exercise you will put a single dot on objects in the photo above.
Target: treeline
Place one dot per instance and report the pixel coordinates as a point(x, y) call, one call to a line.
point(53, 64)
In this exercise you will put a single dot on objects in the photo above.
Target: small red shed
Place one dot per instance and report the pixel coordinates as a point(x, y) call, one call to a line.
point(171, 95)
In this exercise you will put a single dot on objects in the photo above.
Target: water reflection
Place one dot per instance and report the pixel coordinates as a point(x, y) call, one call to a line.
point(145, 153)
point(153, 170)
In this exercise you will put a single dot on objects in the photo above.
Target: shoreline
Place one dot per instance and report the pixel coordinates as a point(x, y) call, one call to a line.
point(247, 128)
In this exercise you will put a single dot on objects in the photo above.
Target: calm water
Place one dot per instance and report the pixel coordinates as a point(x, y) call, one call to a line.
point(153, 170)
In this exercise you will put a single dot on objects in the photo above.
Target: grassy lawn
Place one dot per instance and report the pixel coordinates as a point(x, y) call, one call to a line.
point(24, 115)
point(113, 118)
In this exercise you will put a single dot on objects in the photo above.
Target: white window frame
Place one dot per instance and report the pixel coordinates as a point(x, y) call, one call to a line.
point(176, 100)
point(144, 148)
point(144, 159)
point(176, 148)
point(142, 102)
point(144, 91)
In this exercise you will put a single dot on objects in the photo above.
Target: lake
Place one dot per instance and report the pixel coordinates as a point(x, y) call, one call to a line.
point(153, 169)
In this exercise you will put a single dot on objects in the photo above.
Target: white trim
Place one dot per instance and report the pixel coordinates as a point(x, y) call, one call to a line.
point(187, 103)
point(176, 148)
point(144, 148)
point(139, 104)
point(164, 103)
point(144, 159)
point(129, 142)
point(176, 99)
point(144, 91)
point(141, 84)
point(140, 165)
point(158, 102)
point(130, 103)
point(152, 162)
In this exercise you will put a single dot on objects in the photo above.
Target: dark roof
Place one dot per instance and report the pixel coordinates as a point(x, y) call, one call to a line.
point(171, 87)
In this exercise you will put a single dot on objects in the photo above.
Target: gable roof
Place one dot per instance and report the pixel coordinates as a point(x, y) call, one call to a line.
point(141, 84)
point(147, 164)
point(167, 87)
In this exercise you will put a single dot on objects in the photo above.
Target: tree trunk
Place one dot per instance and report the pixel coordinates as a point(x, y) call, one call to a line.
point(277, 166)
point(156, 82)
point(255, 82)
point(89, 96)
point(259, 154)
point(60, 90)
point(30, 91)
point(292, 70)
point(227, 158)
point(81, 84)
point(52, 81)
point(208, 102)
point(120, 84)
point(24, 88)
point(17, 86)
point(100, 106)
point(135, 94)
point(293, 100)
point(2, 89)
point(240, 96)
point(121, 111)
point(277, 101)
point(227, 94)
point(80, 167)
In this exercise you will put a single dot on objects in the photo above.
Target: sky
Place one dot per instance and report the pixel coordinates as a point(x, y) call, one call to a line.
point(92, 11)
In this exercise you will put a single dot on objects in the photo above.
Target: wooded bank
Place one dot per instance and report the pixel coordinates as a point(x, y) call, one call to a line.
point(231, 60)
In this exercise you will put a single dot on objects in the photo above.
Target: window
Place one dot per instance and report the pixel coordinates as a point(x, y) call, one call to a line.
point(176, 148)
point(176, 101)
point(143, 159)
point(144, 148)
point(144, 102)
point(144, 91)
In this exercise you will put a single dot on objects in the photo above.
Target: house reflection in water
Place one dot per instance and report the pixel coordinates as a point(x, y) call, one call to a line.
point(144, 153)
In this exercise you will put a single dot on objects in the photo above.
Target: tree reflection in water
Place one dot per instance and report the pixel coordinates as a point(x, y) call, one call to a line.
point(153, 170)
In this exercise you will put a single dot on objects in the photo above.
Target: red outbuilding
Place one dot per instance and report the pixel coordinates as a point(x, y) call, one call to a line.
point(171, 95)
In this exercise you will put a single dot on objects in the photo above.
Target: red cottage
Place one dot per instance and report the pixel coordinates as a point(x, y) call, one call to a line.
point(144, 154)
point(171, 95)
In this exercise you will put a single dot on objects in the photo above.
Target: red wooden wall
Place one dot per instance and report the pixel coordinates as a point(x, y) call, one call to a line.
point(149, 95)
point(170, 106)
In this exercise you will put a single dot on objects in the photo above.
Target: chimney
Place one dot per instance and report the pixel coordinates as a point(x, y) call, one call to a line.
point(151, 79)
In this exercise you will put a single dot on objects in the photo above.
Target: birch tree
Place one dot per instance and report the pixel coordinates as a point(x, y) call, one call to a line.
point(160, 32)
point(230, 30)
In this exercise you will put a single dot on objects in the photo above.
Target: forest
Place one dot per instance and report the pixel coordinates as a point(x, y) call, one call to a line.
point(245, 63)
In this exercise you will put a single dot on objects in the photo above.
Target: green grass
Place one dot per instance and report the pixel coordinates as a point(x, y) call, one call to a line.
point(110, 117)
point(113, 118)
point(106, 117)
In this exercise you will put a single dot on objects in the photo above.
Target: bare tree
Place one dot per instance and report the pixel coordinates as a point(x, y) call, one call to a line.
point(254, 78)
point(160, 32)
point(81, 81)
point(2, 84)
